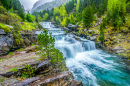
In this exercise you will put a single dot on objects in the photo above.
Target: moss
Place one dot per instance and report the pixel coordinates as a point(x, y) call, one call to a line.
point(10, 53)
point(28, 26)
point(14, 69)
point(17, 41)
point(21, 49)
point(5, 28)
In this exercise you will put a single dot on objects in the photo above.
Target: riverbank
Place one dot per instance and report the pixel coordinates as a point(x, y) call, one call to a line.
point(11, 66)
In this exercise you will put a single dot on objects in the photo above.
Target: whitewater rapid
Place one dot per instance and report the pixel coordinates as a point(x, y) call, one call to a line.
point(91, 66)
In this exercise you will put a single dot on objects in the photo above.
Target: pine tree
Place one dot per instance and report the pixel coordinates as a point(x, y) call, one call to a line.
point(88, 16)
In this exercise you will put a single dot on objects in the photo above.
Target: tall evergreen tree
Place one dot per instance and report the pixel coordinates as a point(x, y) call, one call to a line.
point(88, 16)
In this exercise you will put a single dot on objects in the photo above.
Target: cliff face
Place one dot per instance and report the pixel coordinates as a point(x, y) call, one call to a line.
point(42, 4)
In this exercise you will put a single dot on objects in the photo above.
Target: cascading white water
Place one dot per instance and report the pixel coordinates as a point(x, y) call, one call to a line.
point(91, 66)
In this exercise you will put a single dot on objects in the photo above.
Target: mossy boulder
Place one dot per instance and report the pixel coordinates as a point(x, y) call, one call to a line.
point(5, 28)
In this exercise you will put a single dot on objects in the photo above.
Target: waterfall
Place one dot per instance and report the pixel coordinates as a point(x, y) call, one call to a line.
point(91, 66)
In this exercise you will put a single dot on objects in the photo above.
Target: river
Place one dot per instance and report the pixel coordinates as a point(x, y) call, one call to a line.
point(92, 66)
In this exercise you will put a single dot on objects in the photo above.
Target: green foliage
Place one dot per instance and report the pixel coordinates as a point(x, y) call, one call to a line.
point(5, 28)
point(72, 19)
point(77, 6)
point(45, 16)
point(46, 47)
point(46, 44)
point(6, 3)
point(28, 26)
point(39, 18)
point(56, 10)
point(65, 21)
point(79, 17)
point(14, 69)
point(57, 20)
point(30, 18)
point(32, 44)
point(62, 10)
point(88, 16)
point(94, 7)
point(128, 7)
point(28, 71)
point(2, 9)
point(2, 80)
point(10, 53)
point(3, 59)
point(101, 38)
point(116, 10)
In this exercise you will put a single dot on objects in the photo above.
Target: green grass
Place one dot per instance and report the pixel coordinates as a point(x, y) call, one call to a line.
point(10, 53)
point(1, 80)
point(28, 26)
point(5, 28)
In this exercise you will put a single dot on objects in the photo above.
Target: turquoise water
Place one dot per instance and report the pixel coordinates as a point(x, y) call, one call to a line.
point(91, 66)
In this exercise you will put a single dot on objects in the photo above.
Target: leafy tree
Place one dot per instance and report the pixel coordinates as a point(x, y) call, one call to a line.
point(45, 16)
point(63, 12)
point(39, 18)
point(116, 10)
point(56, 10)
point(46, 47)
point(88, 16)
point(72, 20)
point(30, 18)
point(77, 6)
point(94, 7)
point(6, 3)
point(128, 7)
point(65, 21)
point(79, 17)
point(46, 44)
point(57, 20)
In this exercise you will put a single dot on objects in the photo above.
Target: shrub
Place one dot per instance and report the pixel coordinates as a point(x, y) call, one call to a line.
point(5, 28)
point(14, 69)
point(2, 9)
point(29, 71)
point(10, 53)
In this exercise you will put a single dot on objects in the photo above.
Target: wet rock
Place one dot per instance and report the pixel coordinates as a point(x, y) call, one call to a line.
point(93, 38)
point(118, 50)
point(2, 32)
point(72, 27)
point(43, 65)
point(54, 79)
point(99, 45)
point(90, 31)
point(88, 37)
point(26, 82)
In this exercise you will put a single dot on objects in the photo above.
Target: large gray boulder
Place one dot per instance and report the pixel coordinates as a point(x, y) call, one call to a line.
point(72, 27)
point(5, 44)
point(90, 31)
point(2, 32)
point(118, 50)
